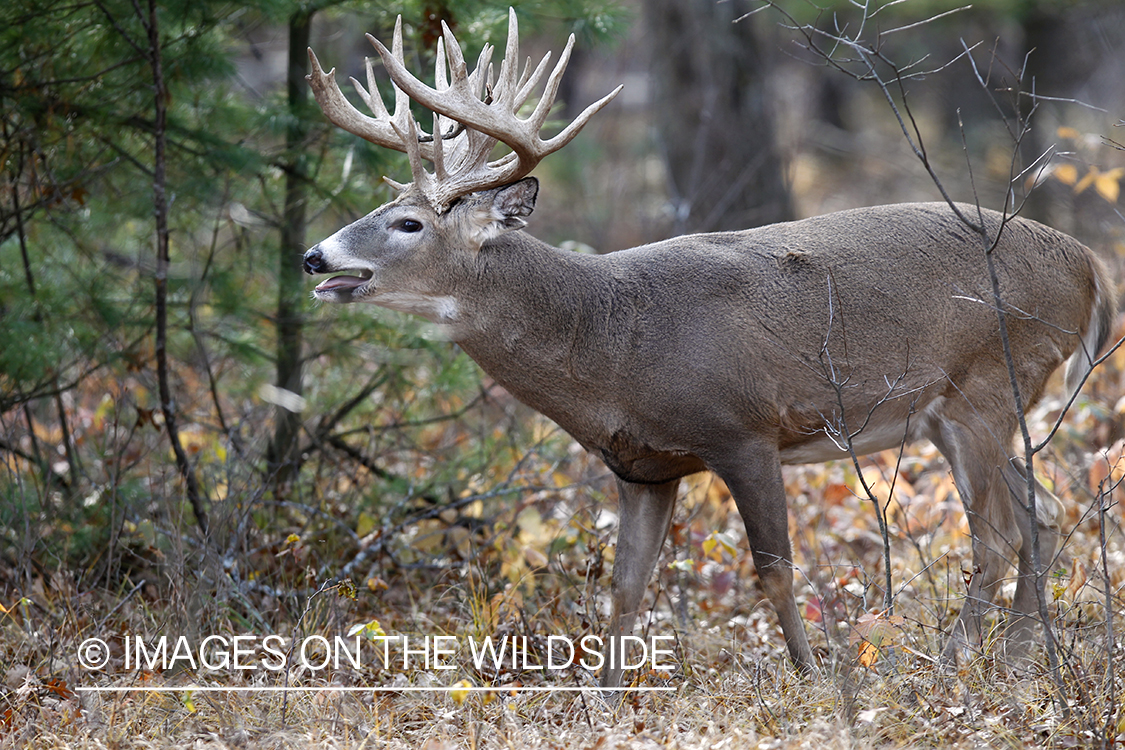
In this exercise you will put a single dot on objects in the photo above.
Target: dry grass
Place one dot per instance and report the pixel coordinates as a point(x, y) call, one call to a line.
point(765, 707)
point(732, 687)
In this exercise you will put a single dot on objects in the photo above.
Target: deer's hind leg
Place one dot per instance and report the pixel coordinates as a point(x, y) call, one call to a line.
point(1048, 511)
point(977, 454)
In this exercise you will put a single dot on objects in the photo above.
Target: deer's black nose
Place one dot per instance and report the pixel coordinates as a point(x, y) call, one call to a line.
point(314, 262)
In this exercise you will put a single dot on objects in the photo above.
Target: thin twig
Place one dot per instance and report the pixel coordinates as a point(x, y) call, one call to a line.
point(160, 278)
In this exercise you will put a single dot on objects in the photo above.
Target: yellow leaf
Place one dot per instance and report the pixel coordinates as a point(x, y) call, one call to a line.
point(727, 543)
point(345, 589)
point(459, 696)
point(104, 407)
point(718, 542)
point(365, 524)
point(1107, 186)
point(1067, 132)
point(1067, 174)
point(1086, 181)
point(369, 630)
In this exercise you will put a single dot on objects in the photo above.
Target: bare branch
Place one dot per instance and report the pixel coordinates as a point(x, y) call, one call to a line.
point(931, 19)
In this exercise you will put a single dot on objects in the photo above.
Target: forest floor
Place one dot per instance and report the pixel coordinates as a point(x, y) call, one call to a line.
point(721, 681)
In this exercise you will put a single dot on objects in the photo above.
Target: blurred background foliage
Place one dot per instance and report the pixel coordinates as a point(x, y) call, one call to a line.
point(349, 441)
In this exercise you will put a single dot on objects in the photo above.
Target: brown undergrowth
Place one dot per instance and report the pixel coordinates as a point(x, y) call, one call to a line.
point(527, 554)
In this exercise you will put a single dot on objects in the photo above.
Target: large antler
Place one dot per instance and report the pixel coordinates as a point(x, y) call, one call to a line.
point(484, 113)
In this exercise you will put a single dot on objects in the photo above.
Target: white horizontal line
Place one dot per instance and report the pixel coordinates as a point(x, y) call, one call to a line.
point(408, 689)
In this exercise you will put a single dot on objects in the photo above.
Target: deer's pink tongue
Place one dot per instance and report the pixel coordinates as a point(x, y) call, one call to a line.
point(340, 282)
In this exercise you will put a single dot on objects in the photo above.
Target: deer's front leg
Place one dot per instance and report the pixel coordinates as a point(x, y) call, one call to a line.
point(753, 475)
point(645, 514)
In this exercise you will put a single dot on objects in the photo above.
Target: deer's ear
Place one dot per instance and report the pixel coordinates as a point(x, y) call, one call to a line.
point(503, 209)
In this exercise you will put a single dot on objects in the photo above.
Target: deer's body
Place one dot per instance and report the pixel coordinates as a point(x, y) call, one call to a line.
point(734, 352)
point(654, 357)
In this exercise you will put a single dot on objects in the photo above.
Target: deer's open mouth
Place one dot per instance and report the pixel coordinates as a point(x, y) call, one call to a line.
point(345, 282)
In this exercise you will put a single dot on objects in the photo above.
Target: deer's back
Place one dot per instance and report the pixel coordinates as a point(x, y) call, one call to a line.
point(890, 305)
point(868, 280)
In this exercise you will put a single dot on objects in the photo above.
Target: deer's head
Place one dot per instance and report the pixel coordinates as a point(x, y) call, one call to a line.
point(409, 256)
point(406, 254)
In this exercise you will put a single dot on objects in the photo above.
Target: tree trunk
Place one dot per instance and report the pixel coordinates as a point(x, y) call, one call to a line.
point(284, 458)
point(160, 210)
point(714, 117)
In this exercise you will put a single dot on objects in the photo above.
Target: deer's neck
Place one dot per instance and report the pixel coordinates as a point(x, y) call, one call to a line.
point(538, 320)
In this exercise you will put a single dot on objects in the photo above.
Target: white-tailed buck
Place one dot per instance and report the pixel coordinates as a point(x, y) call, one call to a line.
point(734, 352)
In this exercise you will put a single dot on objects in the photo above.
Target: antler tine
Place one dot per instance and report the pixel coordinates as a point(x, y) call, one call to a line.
point(440, 84)
point(486, 112)
point(510, 90)
point(340, 111)
point(456, 102)
point(374, 103)
point(404, 125)
point(466, 148)
point(567, 134)
point(500, 122)
point(381, 129)
point(543, 107)
point(506, 85)
point(530, 79)
point(439, 150)
point(414, 153)
point(482, 73)
point(401, 97)
point(457, 69)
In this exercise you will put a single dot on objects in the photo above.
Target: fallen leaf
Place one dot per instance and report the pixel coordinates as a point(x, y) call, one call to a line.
point(459, 696)
point(868, 654)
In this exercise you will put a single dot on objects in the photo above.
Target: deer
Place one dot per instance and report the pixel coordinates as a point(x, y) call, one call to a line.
point(731, 352)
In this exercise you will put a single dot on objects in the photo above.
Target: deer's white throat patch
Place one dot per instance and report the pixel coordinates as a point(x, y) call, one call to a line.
point(442, 310)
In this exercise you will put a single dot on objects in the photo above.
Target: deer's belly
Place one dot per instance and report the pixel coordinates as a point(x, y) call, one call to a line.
point(827, 445)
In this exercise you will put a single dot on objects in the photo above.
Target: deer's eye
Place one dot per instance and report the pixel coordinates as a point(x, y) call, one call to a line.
point(410, 225)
